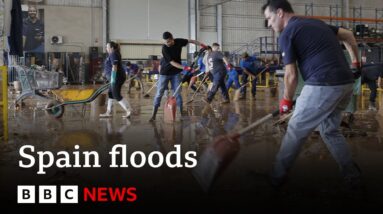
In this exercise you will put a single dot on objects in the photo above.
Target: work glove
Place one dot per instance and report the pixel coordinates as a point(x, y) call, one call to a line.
point(187, 68)
point(285, 106)
point(113, 77)
point(356, 68)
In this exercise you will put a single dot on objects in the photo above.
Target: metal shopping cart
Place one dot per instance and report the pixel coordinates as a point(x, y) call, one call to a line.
point(47, 85)
point(35, 82)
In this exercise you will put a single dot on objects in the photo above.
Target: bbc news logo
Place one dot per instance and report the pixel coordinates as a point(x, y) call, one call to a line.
point(48, 194)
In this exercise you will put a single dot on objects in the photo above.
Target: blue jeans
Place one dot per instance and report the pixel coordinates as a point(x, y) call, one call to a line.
point(162, 84)
point(232, 80)
point(218, 82)
point(317, 106)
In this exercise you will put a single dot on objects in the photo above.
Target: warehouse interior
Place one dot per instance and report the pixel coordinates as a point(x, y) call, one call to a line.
point(54, 96)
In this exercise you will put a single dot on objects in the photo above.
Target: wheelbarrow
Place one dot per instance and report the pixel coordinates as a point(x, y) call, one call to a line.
point(65, 97)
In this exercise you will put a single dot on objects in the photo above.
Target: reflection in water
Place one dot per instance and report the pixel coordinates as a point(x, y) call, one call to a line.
point(214, 160)
point(220, 163)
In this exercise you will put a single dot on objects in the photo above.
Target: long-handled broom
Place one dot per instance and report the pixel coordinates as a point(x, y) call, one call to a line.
point(194, 79)
point(218, 155)
point(170, 107)
point(237, 92)
point(147, 93)
point(196, 91)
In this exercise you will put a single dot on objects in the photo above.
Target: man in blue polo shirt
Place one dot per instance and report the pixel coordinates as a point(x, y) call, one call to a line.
point(132, 70)
point(248, 64)
point(314, 46)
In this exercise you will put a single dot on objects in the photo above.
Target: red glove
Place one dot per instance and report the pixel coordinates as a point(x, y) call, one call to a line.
point(229, 67)
point(356, 69)
point(356, 64)
point(285, 106)
point(187, 68)
point(203, 46)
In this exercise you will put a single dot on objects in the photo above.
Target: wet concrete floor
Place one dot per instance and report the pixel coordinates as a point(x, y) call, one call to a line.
point(230, 176)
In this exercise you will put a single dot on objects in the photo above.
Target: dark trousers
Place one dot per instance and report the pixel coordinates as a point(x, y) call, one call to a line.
point(253, 84)
point(187, 78)
point(373, 88)
point(218, 82)
point(114, 91)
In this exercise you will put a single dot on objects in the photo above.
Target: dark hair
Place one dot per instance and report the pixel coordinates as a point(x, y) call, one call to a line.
point(128, 63)
point(114, 45)
point(208, 47)
point(215, 44)
point(167, 35)
point(274, 5)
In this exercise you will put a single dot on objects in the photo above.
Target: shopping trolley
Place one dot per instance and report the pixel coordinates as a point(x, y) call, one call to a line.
point(47, 85)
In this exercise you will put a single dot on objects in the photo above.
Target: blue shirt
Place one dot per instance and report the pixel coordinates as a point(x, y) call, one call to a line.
point(183, 72)
point(132, 70)
point(315, 47)
point(233, 74)
point(114, 59)
point(249, 64)
point(202, 67)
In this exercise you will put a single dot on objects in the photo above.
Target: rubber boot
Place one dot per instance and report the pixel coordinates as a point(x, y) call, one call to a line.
point(154, 113)
point(126, 106)
point(372, 106)
point(108, 112)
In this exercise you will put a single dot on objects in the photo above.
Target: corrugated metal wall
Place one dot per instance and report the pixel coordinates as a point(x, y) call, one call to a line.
point(243, 20)
point(75, 3)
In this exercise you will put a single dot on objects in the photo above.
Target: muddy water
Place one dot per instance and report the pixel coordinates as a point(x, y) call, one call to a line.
point(227, 175)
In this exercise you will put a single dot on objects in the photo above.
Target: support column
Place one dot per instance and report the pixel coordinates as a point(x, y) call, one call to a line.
point(219, 25)
point(105, 23)
point(193, 30)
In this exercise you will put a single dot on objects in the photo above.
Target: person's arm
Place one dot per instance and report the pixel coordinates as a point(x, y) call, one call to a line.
point(226, 61)
point(290, 81)
point(349, 41)
point(24, 40)
point(380, 82)
point(197, 43)
point(248, 72)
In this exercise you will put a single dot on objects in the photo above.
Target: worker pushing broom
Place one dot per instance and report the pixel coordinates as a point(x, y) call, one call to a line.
point(170, 69)
point(217, 66)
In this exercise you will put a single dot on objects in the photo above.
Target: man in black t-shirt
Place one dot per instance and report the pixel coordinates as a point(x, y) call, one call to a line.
point(170, 69)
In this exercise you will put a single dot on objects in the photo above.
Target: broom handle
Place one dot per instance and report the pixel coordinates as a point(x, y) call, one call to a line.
point(134, 76)
point(203, 80)
point(251, 80)
point(258, 122)
point(154, 85)
point(177, 89)
point(200, 74)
